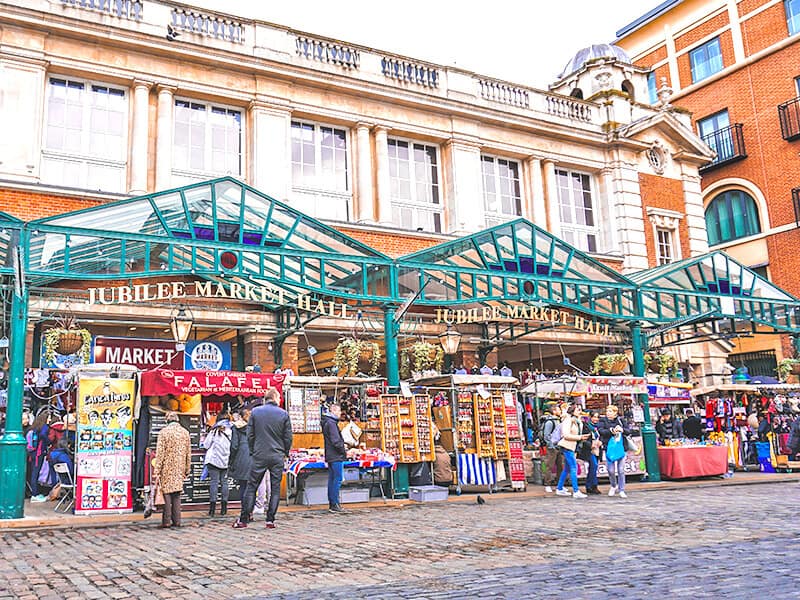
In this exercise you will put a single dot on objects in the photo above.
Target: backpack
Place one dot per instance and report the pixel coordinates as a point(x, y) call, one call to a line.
point(550, 436)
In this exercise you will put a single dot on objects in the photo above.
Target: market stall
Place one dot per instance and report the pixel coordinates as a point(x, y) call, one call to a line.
point(681, 462)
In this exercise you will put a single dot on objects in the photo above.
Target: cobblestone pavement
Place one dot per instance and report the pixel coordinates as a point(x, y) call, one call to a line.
point(737, 541)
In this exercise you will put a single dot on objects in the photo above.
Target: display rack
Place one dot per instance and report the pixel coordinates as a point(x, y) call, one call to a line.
point(500, 426)
point(422, 418)
point(465, 421)
point(390, 425)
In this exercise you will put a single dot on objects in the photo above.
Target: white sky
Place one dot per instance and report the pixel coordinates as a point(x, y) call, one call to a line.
point(524, 41)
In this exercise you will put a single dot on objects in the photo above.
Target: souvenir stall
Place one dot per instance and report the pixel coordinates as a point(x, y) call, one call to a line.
point(479, 422)
point(197, 397)
point(359, 397)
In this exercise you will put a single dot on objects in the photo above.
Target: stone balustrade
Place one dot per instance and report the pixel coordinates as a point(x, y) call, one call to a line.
point(504, 93)
point(207, 25)
point(327, 52)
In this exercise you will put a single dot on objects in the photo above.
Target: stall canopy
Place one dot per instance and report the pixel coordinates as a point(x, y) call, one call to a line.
point(580, 386)
point(162, 382)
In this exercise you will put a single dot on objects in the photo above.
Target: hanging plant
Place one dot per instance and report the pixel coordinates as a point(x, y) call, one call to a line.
point(421, 356)
point(351, 353)
point(788, 366)
point(656, 362)
point(66, 338)
point(609, 363)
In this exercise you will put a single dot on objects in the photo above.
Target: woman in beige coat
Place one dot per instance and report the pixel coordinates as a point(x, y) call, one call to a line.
point(171, 466)
point(570, 436)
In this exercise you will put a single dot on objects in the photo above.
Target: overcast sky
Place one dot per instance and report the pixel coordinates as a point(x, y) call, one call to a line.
point(524, 41)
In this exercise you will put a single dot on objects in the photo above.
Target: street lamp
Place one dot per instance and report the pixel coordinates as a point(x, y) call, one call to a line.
point(181, 324)
point(450, 339)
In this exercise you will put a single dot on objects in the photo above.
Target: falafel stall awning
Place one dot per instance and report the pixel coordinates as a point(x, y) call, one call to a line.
point(162, 382)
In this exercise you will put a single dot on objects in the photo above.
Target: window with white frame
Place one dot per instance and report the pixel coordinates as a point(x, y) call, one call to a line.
point(85, 135)
point(664, 248)
point(578, 219)
point(705, 60)
point(792, 8)
point(414, 177)
point(501, 189)
point(207, 140)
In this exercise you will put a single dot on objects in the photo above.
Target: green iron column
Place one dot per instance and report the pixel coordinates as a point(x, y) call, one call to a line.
point(12, 442)
point(638, 345)
point(390, 329)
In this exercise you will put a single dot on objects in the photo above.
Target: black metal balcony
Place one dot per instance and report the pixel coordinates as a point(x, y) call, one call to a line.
point(796, 204)
point(728, 143)
point(789, 116)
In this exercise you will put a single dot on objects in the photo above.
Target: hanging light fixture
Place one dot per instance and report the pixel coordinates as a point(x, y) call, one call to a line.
point(450, 339)
point(181, 324)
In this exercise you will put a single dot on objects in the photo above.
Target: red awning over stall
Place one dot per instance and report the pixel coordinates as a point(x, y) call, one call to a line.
point(161, 382)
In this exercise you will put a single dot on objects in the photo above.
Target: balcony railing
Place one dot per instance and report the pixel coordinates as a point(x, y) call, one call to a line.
point(728, 143)
point(207, 25)
point(128, 9)
point(789, 116)
point(569, 108)
point(402, 70)
point(328, 52)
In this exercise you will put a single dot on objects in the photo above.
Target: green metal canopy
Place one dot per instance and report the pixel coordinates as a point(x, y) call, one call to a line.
point(10, 228)
point(516, 262)
point(216, 229)
point(710, 287)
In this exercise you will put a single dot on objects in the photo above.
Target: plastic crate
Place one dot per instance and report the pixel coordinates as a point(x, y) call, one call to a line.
point(765, 465)
point(314, 495)
point(427, 493)
point(763, 450)
point(349, 495)
point(351, 474)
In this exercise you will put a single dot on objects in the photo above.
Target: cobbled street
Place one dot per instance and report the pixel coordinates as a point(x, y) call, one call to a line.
point(734, 541)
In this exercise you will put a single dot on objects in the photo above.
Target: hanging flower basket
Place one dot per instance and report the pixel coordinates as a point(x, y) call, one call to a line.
point(353, 356)
point(664, 364)
point(788, 366)
point(67, 339)
point(610, 364)
point(421, 356)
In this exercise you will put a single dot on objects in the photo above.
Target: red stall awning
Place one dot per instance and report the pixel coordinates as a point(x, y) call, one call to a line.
point(161, 382)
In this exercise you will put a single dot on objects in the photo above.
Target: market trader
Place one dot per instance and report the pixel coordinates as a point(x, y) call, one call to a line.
point(692, 426)
point(269, 436)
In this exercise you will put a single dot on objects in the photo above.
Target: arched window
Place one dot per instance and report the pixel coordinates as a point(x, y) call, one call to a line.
point(627, 87)
point(577, 93)
point(731, 215)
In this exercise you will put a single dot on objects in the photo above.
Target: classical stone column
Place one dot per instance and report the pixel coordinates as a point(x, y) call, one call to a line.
point(365, 200)
point(551, 191)
point(464, 188)
point(627, 199)
point(139, 137)
point(164, 134)
point(695, 212)
point(383, 179)
point(611, 210)
point(536, 199)
point(270, 155)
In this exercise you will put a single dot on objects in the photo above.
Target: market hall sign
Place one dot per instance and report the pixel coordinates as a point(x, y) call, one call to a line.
point(519, 313)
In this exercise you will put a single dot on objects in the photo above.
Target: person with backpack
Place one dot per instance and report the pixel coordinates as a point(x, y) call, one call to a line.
point(571, 436)
point(218, 452)
point(553, 459)
point(613, 431)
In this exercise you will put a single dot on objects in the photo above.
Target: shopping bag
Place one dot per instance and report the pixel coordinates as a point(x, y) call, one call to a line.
point(616, 448)
point(44, 473)
point(150, 504)
point(159, 499)
point(632, 446)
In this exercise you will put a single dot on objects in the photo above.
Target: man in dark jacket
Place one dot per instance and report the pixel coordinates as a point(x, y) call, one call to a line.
point(665, 428)
point(269, 437)
point(692, 426)
point(794, 439)
point(335, 454)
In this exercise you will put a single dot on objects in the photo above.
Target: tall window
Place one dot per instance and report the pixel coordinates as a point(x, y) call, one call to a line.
point(731, 215)
point(414, 174)
point(792, 15)
point(578, 222)
point(208, 139)
point(706, 60)
point(501, 189)
point(85, 135)
point(664, 249)
point(319, 156)
point(715, 131)
point(652, 88)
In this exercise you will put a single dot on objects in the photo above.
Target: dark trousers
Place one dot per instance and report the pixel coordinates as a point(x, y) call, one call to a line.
point(215, 474)
point(172, 509)
point(242, 489)
point(261, 466)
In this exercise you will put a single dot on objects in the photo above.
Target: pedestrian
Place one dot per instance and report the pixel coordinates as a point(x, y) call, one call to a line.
point(335, 454)
point(665, 428)
point(589, 451)
point(553, 459)
point(570, 437)
point(612, 430)
point(218, 452)
point(764, 427)
point(794, 438)
point(37, 445)
point(692, 426)
point(269, 437)
point(240, 462)
point(171, 466)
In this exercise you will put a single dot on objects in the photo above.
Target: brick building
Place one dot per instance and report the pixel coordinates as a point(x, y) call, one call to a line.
point(733, 64)
point(107, 101)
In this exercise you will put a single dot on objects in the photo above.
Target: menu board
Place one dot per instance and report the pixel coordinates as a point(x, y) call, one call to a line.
point(191, 423)
point(103, 454)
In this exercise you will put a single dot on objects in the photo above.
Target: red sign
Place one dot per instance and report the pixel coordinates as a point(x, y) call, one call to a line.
point(214, 383)
point(140, 353)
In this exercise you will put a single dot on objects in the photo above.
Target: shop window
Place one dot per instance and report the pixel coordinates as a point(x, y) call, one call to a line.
point(85, 135)
point(792, 8)
point(578, 220)
point(414, 176)
point(763, 363)
point(706, 60)
point(731, 215)
point(665, 250)
point(207, 140)
point(501, 189)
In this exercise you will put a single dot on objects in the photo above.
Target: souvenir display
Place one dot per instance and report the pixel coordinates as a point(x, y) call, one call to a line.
point(484, 425)
point(499, 428)
point(406, 428)
point(390, 427)
point(465, 419)
point(422, 419)
point(296, 410)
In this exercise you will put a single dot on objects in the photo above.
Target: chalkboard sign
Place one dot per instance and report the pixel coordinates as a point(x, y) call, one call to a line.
point(191, 423)
point(197, 491)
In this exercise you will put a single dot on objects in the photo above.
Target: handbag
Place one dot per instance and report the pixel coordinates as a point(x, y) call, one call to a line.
point(44, 473)
point(615, 450)
point(632, 446)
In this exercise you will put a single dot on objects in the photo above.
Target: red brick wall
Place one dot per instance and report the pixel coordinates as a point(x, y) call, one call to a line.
point(390, 244)
point(29, 206)
point(655, 56)
point(662, 192)
point(701, 31)
point(764, 29)
point(747, 6)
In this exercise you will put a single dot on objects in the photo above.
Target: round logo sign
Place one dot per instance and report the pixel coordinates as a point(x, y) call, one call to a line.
point(206, 356)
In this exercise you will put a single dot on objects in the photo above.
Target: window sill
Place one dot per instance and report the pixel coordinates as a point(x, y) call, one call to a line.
point(69, 157)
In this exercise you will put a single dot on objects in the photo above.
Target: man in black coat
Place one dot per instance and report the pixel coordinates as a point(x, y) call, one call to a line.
point(269, 437)
point(692, 426)
point(794, 439)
